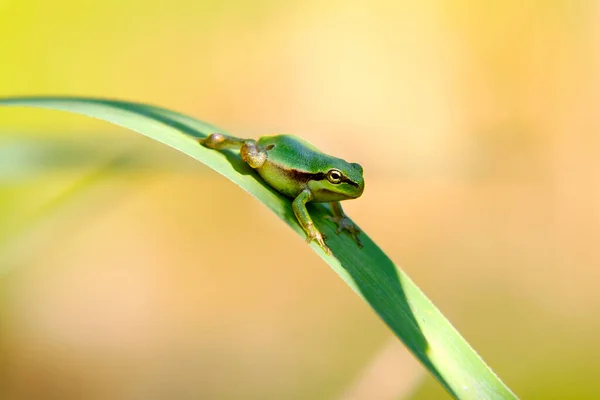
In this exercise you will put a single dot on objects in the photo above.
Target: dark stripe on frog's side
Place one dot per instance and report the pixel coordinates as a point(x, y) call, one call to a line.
point(303, 176)
point(348, 181)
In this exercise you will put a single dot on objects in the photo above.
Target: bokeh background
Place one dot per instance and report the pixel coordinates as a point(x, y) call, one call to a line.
point(131, 272)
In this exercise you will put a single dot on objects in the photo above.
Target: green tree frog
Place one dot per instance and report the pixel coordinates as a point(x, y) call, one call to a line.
point(297, 169)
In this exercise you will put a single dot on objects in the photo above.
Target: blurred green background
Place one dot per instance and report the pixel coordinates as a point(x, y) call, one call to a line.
point(130, 272)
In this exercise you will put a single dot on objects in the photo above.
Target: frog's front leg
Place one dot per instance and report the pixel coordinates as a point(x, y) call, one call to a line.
point(306, 222)
point(252, 153)
point(343, 222)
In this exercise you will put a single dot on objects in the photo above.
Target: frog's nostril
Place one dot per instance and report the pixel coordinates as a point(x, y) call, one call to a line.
point(357, 166)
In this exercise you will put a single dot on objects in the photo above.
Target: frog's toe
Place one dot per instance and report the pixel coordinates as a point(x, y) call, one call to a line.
point(346, 224)
point(357, 239)
point(320, 239)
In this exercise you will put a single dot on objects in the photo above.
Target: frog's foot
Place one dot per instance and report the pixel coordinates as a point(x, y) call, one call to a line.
point(219, 141)
point(345, 224)
point(318, 237)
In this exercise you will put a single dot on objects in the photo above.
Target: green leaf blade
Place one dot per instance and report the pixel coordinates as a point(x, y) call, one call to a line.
point(368, 271)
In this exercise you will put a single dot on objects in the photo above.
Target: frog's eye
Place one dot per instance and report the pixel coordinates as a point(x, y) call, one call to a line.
point(334, 176)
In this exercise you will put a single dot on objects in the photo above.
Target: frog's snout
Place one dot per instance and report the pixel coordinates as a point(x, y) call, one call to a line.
point(357, 167)
point(361, 188)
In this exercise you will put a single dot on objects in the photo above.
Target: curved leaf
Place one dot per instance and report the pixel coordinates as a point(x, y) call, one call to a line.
point(368, 271)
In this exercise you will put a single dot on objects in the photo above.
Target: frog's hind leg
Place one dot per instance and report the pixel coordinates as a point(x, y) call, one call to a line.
point(252, 153)
point(343, 222)
point(219, 141)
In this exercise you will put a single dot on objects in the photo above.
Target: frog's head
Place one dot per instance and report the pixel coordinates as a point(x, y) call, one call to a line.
point(340, 181)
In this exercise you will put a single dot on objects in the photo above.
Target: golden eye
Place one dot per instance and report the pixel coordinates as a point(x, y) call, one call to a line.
point(334, 176)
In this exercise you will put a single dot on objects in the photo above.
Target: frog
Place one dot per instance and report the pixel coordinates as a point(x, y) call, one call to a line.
point(298, 170)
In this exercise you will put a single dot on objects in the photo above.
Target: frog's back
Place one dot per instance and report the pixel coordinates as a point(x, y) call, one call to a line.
point(287, 150)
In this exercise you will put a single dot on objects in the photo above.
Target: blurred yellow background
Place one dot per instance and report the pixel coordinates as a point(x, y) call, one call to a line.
point(476, 124)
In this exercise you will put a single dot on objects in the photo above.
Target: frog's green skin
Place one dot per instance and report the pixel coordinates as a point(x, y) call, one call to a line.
point(297, 169)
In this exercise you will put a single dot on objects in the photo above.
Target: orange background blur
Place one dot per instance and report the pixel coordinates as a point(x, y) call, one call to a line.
point(151, 278)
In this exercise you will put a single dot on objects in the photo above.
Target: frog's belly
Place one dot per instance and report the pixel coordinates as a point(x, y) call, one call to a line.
point(285, 181)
